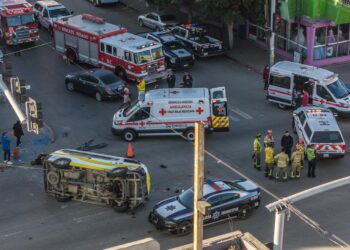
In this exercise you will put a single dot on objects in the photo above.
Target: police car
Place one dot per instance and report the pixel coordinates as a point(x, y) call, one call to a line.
point(228, 199)
point(317, 126)
point(175, 52)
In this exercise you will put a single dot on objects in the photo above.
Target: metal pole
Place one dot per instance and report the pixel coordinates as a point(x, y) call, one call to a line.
point(15, 106)
point(198, 186)
point(272, 37)
point(279, 229)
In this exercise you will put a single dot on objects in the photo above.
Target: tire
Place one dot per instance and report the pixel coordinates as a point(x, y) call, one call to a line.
point(70, 86)
point(189, 134)
point(63, 198)
point(245, 213)
point(71, 56)
point(141, 24)
point(184, 228)
point(121, 73)
point(98, 97)
point(53, 178)
point(121, 209)
point(129, 135)
point(282, 106)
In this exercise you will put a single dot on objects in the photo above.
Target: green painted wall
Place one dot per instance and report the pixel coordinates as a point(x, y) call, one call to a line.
point(316, 10)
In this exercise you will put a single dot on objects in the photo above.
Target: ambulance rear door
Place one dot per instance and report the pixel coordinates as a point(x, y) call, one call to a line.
point(280, 89)
point(219, 114)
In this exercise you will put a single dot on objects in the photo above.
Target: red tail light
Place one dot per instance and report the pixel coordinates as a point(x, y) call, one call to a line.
point(209, 122)
point(343, 147)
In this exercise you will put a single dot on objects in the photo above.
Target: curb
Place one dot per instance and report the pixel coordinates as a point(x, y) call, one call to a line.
point(52, 132)
point(246, 65)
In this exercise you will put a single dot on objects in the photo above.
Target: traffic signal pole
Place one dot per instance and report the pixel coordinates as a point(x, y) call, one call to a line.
point(272, 37)
point(22, 118)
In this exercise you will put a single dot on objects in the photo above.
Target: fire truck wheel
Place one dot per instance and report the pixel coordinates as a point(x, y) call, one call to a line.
point(141, 23)
point(129, 135)
point(98, 96)
point(71, 56)
point(282, 106)
point(189, 134)
point(119, 71)
point(70, 86)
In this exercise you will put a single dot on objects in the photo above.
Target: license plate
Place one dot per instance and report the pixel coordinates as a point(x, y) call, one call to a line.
point(326, 155)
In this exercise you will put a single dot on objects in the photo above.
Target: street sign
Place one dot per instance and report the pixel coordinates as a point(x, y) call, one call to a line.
point(34, 116)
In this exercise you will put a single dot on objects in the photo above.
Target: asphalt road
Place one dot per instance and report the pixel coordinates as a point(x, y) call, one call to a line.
point(29, 219)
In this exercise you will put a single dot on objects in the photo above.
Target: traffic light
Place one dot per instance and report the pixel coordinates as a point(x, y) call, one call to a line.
point(19, 89)
point(34, 116)
point(276, 22)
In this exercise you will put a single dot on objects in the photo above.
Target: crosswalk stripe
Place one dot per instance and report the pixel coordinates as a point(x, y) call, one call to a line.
point(240, 112)
point(235, 119)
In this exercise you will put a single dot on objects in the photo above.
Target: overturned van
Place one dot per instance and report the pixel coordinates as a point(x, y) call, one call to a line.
point(96, 178)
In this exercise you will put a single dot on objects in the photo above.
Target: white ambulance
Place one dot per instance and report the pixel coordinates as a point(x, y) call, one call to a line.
point(89, 39)
point(325, 88)
point(173, 112)
point(317, 126)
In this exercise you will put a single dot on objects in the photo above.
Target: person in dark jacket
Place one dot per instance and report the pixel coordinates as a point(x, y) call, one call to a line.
point(6, 147)
point(187, 80)
point(18, 132)
point(287, 143)
point(266, 73)
point(171, 79)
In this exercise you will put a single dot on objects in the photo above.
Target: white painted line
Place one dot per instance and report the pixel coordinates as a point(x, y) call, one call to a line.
point(240, 112)
point(87, 217)
point(10, 234)
point(235, 119)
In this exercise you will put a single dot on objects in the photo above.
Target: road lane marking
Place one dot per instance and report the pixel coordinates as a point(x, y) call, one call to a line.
point(240, 112)
point(87, 217)
point(235, 119)
point(10, 234)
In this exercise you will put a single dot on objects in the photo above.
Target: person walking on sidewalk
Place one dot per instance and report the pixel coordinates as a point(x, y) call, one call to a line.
point(6, 147)
point(268, 139)
point(282, 160)
point(269, 160)
point(171, 79)
point(141, 87)
point(257, 151)
point(297, 161)
point(18, 132)
point(287, 143)
point(311, 158)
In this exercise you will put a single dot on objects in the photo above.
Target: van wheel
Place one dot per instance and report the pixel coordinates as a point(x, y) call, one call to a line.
point(129, 135)
point(141, 23)
point(98, 96)
point(53, 178)
point(282, 106)
point(70, 86)
point(184, 228)
point(60, 198)
point(245, 213)
point(122, 208)
point(189, 134)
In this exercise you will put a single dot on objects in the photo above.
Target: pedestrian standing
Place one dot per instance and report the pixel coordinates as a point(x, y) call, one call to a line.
point(282, 161)
point(141, 87)
point(269, 160)
point(187, 80)
point(15, 44)
point(297, 161)
point(306, 97)
point(6, 147)
point(18, 132)
point(171, 79)
point(266, 76)
point(257, 151)
point(311, 158)
point(287, 143)
point(126, 96)
point(268, 139)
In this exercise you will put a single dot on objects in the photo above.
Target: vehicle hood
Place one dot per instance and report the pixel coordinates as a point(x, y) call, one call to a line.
point(54, 19)
point(181, 53)
point(171, 208)
point(248, 185)
point(116, 85)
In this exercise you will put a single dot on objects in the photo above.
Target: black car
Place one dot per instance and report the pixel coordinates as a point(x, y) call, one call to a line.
point(100, 83)
point(177, 55)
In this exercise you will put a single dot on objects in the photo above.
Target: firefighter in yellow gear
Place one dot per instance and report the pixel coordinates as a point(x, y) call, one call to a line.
point(257, 151)
point(301, 147)
point(282, 160)
point(297, 160)
point(269, 160)
point(268, 139)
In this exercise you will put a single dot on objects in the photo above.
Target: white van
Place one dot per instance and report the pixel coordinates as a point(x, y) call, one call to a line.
point(325, 88)
point(173, 112)
point(318, 126)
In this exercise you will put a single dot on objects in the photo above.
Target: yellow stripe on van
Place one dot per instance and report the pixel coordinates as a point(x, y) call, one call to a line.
point(96, 161)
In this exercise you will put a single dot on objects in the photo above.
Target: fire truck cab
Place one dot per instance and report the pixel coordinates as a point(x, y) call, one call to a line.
point(17, 17)
point(89, 39)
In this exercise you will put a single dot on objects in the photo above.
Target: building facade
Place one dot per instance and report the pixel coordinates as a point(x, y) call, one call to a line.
point(314, 31)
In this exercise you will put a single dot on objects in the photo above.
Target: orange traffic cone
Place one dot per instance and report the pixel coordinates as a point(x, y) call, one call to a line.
point(130, 153)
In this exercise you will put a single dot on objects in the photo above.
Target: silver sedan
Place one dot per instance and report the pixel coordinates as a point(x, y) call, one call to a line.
point(157, 21)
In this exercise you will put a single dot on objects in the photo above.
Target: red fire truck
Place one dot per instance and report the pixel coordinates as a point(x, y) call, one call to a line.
point(17, 17)
point(89, 39)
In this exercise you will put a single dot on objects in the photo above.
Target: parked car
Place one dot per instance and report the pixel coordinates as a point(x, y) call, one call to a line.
point(100, 83)
point(157, 21)
point(46, 12)
point(99, 3)
point(228, 200)
point(177, 55)
point(197, 39)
